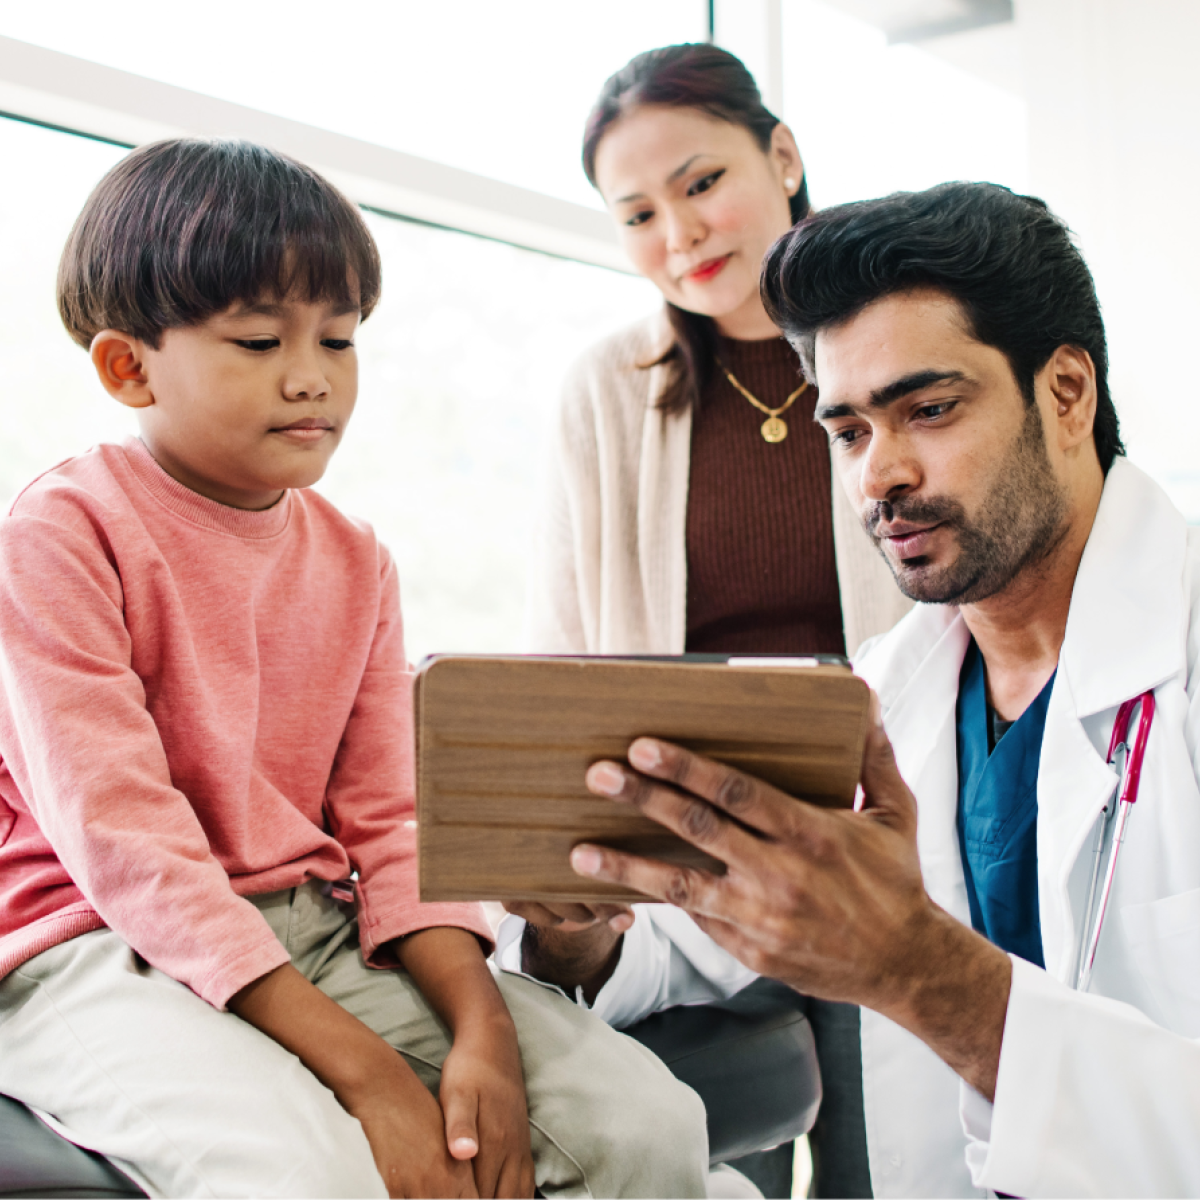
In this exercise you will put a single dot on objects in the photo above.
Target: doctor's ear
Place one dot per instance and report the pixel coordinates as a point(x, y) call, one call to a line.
point(119, 360)
point(1070, 376)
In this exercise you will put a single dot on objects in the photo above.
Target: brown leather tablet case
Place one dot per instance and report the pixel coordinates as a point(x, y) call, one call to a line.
point(503, 745)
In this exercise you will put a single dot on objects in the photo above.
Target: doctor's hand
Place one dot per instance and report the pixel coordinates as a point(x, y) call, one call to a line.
point(829, 901)
point(572, 945)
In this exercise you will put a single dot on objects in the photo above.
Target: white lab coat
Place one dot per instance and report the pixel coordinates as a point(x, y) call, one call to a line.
point(1098, 1095)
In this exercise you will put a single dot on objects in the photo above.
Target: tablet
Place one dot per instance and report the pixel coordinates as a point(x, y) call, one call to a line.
point(503, 744)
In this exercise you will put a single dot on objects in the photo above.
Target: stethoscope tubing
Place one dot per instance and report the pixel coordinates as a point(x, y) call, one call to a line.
point(1125, 795)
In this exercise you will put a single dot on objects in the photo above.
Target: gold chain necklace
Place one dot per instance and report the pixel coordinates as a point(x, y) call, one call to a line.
point(773, 429)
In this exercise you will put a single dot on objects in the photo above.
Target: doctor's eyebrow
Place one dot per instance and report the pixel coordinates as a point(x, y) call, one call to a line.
point(887, 395)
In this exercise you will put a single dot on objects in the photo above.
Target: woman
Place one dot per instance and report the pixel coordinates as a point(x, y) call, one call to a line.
point(691, 503)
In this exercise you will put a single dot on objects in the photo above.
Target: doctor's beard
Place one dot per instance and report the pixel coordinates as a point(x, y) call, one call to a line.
point(1021, 520)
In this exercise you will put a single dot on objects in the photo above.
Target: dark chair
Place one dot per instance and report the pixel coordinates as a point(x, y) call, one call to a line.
point(753, 1061)
point(751, 1058)
point(35, 1161)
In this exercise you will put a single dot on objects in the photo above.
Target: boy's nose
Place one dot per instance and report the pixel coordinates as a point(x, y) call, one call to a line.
point(305, 381)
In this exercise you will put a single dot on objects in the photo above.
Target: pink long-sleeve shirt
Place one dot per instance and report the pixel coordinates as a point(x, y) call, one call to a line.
point(197, 704)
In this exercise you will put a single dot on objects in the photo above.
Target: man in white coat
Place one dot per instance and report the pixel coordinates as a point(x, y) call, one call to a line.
point(960, 354)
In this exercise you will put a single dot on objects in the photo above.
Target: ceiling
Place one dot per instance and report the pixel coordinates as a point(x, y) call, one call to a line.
point(921, 20)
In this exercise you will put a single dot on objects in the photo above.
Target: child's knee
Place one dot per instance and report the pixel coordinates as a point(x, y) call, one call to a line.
point(631, 1127)
point(663, 1122)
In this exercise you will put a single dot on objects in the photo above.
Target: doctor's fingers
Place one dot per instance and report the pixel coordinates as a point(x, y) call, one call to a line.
point(694, 820)
point(752, 802)
point(689, 888)
point(886, 797)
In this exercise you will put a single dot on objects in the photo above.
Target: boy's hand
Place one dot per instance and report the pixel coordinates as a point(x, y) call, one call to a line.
point(483, 1090)
point(402, 1121)
point(483, 1100)
point(404, 1126)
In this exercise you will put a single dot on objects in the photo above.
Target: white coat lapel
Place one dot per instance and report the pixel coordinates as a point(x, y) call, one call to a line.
point(1125, 635)
point(1127, 624)
point(915, 670)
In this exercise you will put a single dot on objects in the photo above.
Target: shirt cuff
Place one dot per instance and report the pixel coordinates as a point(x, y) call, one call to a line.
point(219, 985)
point(377, 931)
point(508, 944)
point(976, 1114)
point(633, 990)
point(1005, 1138)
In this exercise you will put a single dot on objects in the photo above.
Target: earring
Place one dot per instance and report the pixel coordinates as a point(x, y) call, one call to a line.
point(790, 184)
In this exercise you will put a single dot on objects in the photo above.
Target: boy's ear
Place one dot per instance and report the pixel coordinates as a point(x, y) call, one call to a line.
point(119, 361)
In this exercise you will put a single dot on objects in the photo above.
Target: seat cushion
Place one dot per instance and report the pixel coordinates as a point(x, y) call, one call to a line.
point(751, 1058)
point(35, 1161)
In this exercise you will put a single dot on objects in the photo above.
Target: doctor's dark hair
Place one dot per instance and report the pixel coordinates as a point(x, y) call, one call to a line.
point(713, 81)
point(180, 230)
point(1009, 262)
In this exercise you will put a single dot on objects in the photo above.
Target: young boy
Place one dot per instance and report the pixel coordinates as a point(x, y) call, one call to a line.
point(205, 722)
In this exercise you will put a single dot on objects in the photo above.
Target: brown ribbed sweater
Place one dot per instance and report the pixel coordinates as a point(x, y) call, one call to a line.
point(761, 575)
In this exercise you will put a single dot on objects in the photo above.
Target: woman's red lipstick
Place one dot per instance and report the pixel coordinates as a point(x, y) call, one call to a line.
point(709, 270)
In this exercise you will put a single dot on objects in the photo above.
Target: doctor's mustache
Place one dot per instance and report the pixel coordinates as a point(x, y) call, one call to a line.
point(910, 509)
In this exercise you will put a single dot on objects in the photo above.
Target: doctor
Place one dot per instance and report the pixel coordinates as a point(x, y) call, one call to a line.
point(957, 342)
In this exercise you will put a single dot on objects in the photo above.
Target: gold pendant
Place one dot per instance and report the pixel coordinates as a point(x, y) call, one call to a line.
point(774, 430)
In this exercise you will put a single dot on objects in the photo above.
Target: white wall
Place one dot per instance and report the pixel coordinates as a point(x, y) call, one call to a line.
point(873, 118)
point(1113, 94)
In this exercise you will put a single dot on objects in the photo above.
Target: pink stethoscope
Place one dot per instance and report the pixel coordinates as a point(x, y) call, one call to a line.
point(1126, 794)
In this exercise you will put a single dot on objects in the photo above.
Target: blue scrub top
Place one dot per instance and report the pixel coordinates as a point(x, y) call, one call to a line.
point(997, 814)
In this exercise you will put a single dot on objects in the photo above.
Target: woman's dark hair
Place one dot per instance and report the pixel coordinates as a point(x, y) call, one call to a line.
point(1006, 259)
point(713, 81)
point(180, 230)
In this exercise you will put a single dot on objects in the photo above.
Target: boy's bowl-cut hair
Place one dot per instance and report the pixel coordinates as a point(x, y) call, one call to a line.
point(182, 229)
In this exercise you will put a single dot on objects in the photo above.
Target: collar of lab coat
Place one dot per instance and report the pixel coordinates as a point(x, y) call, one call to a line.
point(1125, 628)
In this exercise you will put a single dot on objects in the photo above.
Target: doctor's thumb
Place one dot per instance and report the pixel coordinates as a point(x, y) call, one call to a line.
point(885, 794)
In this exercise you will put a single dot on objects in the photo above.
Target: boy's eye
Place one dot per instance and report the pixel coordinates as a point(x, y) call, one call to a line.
point(258, 344)
point(704, 183)
point(640, 218)
point(337, 343)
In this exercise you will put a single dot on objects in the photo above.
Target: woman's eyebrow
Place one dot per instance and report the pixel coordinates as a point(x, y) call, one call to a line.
point(682, 168)
point(674, 175)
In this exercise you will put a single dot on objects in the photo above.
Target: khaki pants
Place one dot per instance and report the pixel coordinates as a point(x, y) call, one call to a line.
point(190, 1101)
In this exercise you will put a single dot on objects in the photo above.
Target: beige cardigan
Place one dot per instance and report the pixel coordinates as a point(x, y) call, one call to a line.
point(610, 570)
